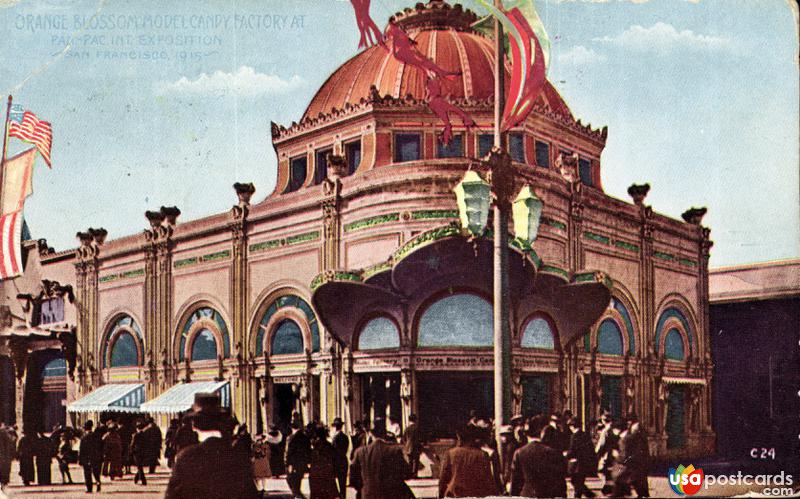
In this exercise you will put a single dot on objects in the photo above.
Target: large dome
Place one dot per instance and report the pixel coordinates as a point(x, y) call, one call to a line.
point(443, 34)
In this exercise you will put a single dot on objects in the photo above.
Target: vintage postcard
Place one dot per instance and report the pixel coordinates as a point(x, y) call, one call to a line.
point(395, 248)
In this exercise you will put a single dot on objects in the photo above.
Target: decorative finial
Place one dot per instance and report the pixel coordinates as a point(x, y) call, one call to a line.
point(638, 192)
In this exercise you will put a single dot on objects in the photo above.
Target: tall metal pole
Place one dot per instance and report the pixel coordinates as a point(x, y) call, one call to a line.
point(5, 146)
point(500, 187)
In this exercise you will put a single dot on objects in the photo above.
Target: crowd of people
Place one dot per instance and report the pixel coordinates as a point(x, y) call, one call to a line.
point(213, 455)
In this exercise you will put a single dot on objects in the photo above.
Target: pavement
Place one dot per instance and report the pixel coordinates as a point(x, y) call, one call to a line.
point(423, 488)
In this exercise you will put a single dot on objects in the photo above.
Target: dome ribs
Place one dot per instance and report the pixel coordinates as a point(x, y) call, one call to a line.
point(466, 69)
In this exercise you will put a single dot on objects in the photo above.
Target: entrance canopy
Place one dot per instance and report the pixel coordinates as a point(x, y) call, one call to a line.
point(111, 398)
point(442, 258)
point(180, 397)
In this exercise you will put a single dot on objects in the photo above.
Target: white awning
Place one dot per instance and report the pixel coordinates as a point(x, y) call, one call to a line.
point(180, 397)
point(111, 398)
point(674, 380)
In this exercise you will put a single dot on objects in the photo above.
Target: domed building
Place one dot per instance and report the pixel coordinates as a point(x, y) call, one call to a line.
point(351, 292)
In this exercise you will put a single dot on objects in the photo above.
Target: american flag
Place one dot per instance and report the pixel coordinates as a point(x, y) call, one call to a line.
point(11, 245)
point(24, 125)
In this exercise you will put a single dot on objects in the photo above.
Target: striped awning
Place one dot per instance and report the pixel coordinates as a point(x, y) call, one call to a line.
point(676, 380)
point(111, 398)
point(180, 397)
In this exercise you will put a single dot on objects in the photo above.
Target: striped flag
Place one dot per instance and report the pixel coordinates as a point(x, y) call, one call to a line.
point(17, 181)
point(11, 245)
point(24, 125)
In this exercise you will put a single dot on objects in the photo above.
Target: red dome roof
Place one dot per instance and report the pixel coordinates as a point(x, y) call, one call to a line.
point(446, 40)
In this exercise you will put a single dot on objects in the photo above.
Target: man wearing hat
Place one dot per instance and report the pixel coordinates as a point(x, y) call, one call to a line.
point(379, 470)
point(210, 469)
point(341, 442)
point(412, 444)
point(538, 470)
point(581, 459)
point(508, 446)
point(632, 464)
point(466, 469)
point(298, 456)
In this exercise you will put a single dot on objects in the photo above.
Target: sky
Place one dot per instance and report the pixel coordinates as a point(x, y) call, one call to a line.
point(169, 103)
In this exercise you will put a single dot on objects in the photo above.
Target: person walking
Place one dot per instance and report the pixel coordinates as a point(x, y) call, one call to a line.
point(538, 470)
point(90, 455)
point(297, 458)
point(63, 457)
point(358, 439)
point(581, 459)
point(324, 461)
point(262, 470)
point(26, 451)
point(508, 446)
point(169, 442)
point(466, 469)
point(126, 431)
point(412, 444)
point(276, 450)
point(209, 470)
point(112, 453)
point(45, 451)
point(185, 436)
point(7, 448)
point(606, 448)
point(140, 452)
point(631, 467)
point(341, 443)
point(379, 469)
point(154, 441)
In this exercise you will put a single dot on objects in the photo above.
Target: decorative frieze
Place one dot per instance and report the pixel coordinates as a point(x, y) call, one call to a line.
point(211, 257)
point(130, 274)
point(372, 222)
point(285, 241)
point(554, 223)
point(597, 237)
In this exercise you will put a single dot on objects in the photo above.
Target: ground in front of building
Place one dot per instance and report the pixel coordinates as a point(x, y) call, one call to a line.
point(157, 483)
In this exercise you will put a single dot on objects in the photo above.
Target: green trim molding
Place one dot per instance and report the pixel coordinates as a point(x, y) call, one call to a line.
point(433, 214)
point(208, 258)
point(554, 223)
point(663, 256)
point(371, 222)
point(597, 237)
point(122, 275)
point(626, 245)
point(332, 276)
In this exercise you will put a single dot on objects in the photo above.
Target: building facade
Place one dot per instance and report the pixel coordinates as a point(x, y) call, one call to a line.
point(348, 292)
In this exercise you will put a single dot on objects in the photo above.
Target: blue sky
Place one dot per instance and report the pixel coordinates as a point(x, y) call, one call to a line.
point(169, 103)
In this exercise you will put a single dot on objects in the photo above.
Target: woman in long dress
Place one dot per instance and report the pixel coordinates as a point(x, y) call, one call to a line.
point(261, 463)
point(112, 453)
point(26, 450)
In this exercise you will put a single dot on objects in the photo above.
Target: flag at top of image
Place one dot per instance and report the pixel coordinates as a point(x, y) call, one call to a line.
point(24, 125)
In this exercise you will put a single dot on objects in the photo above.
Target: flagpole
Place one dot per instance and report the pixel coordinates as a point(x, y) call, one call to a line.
point(5, 146)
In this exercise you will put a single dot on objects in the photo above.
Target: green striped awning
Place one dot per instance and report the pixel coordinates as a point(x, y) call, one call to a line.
point(122, 397)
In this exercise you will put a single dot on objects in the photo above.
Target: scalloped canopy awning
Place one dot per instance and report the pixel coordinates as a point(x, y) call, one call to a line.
point(442, 258)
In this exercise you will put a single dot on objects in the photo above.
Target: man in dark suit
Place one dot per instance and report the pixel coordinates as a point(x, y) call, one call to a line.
point(379, 470)
point(297, 457)
point(536, 469)
point(632, 464)
point(582, 461)
point(140, 452)
point(210, 469)
point(341, 442)
point(91, 455)
point(466, 469)
point(154, 440)
point(412, 444)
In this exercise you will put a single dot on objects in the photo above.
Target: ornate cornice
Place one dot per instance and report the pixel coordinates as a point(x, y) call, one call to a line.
point(376, 102)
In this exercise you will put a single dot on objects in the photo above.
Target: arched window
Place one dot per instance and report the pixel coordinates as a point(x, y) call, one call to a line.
point(626, 318)
point(673, 345)
point(56, 368)
point(213, 319)
point(288, 338)
point(457, 320)
point(282, 302)
point(538, 334)
point(661, 325)
point(609, 338)
point(123, 343)
point(124, 352)
point(204, 346)
point(379, 333)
